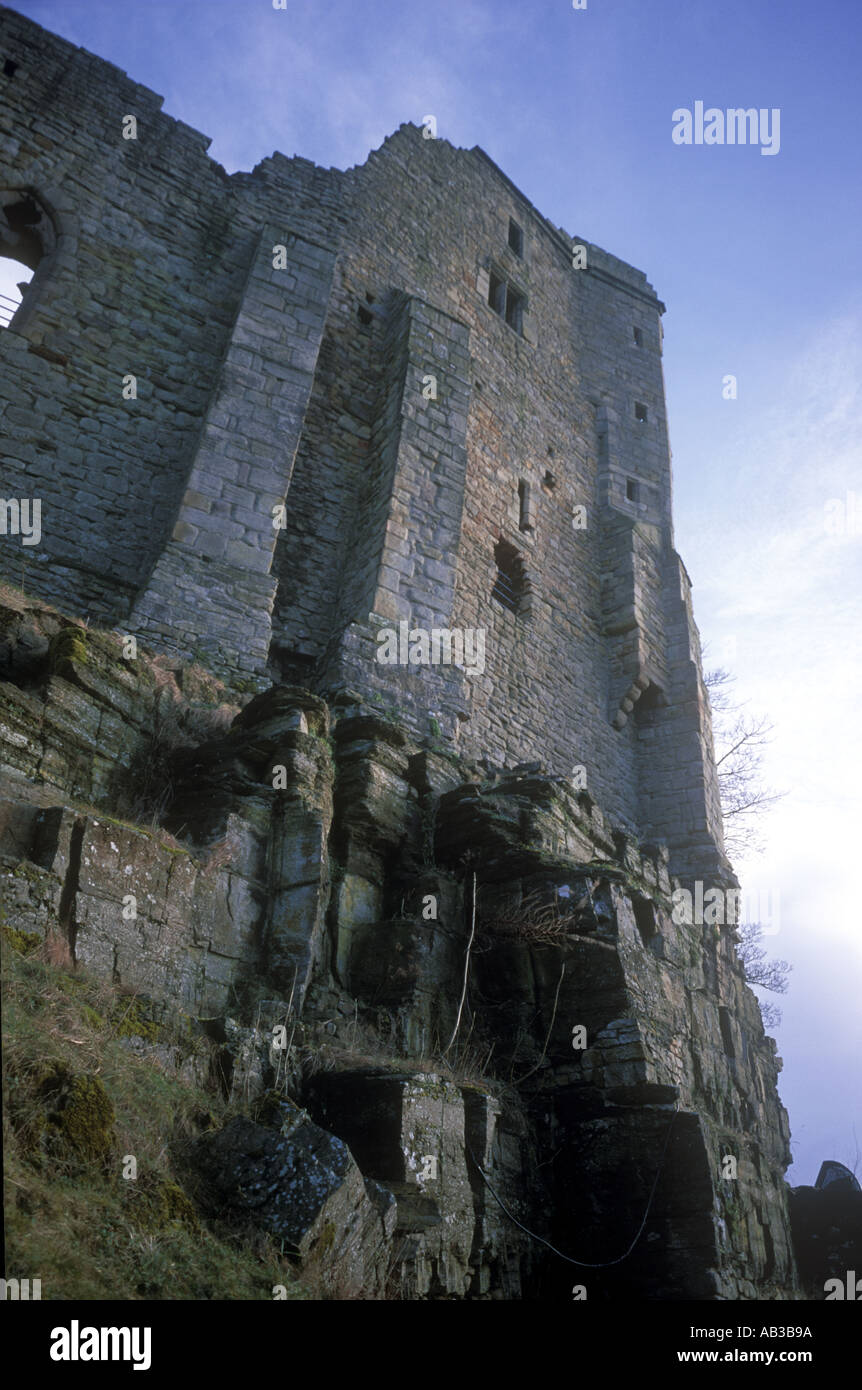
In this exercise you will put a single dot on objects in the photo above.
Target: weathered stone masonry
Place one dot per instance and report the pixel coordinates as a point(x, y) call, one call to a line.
point(303, 386)
point(284, 328)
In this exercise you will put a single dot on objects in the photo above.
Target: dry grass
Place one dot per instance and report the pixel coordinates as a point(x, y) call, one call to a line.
point(17, 601)
point(177, 725)
point(533, 921)
point(466, 1066)
point(75, 1222)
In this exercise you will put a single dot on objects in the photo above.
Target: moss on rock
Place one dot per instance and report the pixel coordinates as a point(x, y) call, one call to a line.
point(134, 1019)
point(82, 1116)
point(160, 1202)
point(24, 942)
point(67, 649)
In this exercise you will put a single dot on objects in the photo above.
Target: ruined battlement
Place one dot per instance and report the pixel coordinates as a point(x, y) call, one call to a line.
point(276, 415)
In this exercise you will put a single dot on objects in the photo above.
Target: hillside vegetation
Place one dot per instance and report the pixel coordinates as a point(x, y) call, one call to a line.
point(78, 1104)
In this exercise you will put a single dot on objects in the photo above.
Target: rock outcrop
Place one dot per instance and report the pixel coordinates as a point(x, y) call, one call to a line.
point(312, 891)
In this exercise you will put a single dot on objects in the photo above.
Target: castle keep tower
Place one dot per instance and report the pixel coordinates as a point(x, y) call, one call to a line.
point(461, 420)
point(284, 423)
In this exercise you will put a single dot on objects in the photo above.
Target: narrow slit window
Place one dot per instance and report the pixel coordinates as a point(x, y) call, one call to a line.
point(516, 238)
point(639, 337)
point(640, 413)
point(632, 490)
point(525, 517)
point(364, 313)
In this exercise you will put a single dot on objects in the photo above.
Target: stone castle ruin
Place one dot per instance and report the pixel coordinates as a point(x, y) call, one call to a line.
point(283, 423)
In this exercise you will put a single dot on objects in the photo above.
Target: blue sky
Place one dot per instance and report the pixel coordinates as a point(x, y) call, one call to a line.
point(758, 260)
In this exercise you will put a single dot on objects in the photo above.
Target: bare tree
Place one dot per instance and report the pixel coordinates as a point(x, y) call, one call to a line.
point(759, 970)
point(770, 1013)
point(762, 972)
point(740, 739)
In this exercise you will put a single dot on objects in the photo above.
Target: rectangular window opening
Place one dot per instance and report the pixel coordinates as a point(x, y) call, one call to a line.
point(497, 293)
point(639, 338)
point(514, 308)
point(510, 586)
point(516, 238)
point(632, 490)
point(640, 412)
point(506, 301)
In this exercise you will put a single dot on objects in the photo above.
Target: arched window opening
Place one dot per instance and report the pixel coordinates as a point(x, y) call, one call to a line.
point(15, 277)
point(511, 587)
point(26, 238)
point(650, 704)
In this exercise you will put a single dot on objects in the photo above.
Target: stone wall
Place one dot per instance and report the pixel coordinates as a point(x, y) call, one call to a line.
point(305, 382)
point(318, 348)
point(149, 259)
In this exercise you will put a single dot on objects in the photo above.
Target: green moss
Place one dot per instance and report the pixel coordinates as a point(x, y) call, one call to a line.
point(159, 1202)
point(86, 1121)
point(67, 648)
point(133, 1019)
point(69, 984)
point(266, 1109)
point(114, 820)
point(31, 873)
point(25, 942)
point(92, 1017)
point(174, 1205)
point(91, 1234)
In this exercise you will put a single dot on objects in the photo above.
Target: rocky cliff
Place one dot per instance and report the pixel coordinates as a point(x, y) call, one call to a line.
point(470, 1052)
